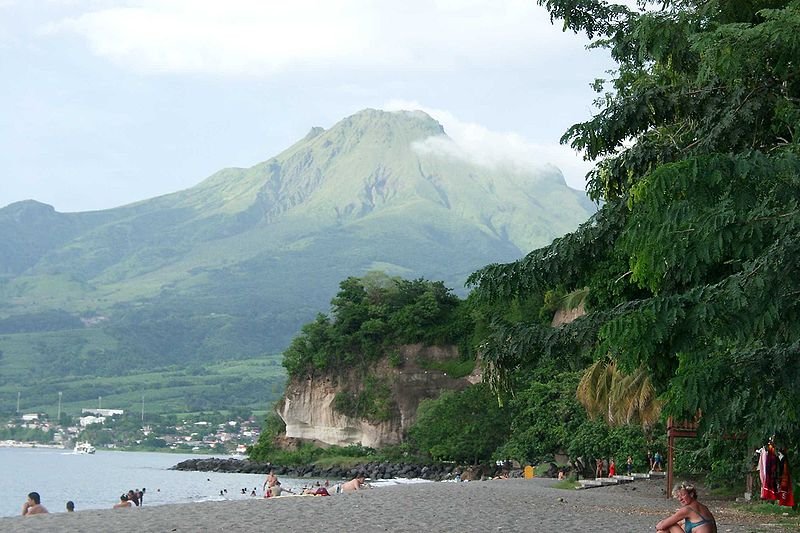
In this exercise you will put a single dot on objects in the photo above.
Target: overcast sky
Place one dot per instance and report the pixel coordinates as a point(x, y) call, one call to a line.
point(109, 102)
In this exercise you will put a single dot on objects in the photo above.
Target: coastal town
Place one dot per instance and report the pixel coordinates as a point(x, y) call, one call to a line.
point(114, 429)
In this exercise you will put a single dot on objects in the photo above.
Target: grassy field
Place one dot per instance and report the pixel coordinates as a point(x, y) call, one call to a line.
point(248, 383)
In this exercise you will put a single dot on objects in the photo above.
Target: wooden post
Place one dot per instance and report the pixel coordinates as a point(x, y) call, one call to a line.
point(684, 428)
point(670, 458)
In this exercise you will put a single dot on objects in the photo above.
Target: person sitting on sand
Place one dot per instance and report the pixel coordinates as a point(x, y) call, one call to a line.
point(70, 506)
point(357, 483)
point(123, 503)
point(696, 516)
point(33, 505)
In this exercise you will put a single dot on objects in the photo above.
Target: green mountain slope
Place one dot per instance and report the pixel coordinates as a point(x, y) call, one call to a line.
point(231, 268)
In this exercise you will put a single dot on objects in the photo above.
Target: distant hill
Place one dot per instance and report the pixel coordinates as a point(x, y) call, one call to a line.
point(230, 269)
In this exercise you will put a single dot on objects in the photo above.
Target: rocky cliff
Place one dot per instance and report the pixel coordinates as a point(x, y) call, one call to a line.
point(308, 404)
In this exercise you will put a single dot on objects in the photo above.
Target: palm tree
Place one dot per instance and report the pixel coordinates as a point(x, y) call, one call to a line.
point(619, 398)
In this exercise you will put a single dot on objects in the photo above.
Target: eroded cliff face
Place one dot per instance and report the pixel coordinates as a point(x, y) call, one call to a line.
point(565, 316)
point(307, 407)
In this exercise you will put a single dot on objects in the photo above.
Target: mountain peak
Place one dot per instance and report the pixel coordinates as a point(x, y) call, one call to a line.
point(28, 208)
point(410, 121)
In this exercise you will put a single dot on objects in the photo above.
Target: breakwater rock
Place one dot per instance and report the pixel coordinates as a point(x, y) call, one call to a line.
point(377, 470)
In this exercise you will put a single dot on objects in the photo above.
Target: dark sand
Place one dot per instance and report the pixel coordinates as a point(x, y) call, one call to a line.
point(498, 505)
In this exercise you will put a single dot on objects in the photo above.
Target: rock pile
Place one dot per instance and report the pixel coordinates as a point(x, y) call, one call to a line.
point(383, 470)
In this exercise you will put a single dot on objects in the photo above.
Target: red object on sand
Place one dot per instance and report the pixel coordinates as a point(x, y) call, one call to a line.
point(785, 492)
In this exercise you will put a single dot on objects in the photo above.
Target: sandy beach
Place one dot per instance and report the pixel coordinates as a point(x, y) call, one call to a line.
point(497, 505)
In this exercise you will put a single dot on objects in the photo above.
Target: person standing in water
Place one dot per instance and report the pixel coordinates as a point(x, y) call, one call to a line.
point(270, 482)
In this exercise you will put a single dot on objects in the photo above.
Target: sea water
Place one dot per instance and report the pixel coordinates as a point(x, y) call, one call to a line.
point(96, 481)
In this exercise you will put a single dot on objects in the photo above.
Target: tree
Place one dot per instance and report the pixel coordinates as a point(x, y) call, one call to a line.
point(370, 315)
point(544, 418)
point(265, 447)
point(619, 398)
point(465, 426)
point(693, 261)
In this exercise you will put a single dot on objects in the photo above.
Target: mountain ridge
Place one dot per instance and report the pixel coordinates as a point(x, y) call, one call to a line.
point(231, 267)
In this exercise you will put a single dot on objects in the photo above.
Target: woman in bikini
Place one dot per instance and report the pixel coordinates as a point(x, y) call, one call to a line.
point(696, 516)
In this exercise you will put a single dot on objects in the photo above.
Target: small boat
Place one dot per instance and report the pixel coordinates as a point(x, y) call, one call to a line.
point(84, 448)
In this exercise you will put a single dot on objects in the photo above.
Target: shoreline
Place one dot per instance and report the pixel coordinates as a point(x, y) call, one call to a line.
point(494, 505)
point(25, 444)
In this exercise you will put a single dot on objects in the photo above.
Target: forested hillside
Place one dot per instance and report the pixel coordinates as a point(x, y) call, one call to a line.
point(230, 269)
point(690, 272)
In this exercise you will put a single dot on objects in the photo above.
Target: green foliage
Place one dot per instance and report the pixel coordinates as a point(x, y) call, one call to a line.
point(265, 447)
point(369, 316)
point(546, 419)
point(245, 384)
point(26, 434)
point(465, 426)
point(545, 416)
point(693, 262)
point(395, 359)
point(307, 454)
point(595, 439)
point(452, 368)
point(371, 401)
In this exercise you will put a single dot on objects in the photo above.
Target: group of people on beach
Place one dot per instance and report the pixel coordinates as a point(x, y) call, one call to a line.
point(132, 498)
point(273, 488)
point(691, 517)
point(608, 468)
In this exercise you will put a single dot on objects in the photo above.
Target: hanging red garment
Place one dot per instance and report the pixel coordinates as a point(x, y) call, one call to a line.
point(785, 492)
point(767, 466)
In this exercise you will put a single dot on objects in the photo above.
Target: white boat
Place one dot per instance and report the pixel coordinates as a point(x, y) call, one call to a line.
point(84, 448)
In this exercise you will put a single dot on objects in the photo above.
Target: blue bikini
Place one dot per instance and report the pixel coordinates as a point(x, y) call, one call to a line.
point(688, 525)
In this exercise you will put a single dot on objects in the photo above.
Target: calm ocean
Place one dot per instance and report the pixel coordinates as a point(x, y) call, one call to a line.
point(96, 481)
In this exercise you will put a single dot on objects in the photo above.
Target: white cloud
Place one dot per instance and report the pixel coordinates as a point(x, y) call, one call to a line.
point(268, 36)
point(477, 144)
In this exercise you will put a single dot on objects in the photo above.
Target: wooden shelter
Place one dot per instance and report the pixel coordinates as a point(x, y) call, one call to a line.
point(677, 429)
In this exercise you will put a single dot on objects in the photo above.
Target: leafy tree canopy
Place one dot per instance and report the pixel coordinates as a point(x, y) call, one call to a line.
point(465, 426)
point(372, 313)
point(693, 261)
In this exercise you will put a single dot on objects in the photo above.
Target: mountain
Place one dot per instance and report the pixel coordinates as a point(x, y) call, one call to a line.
point(231, 268)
